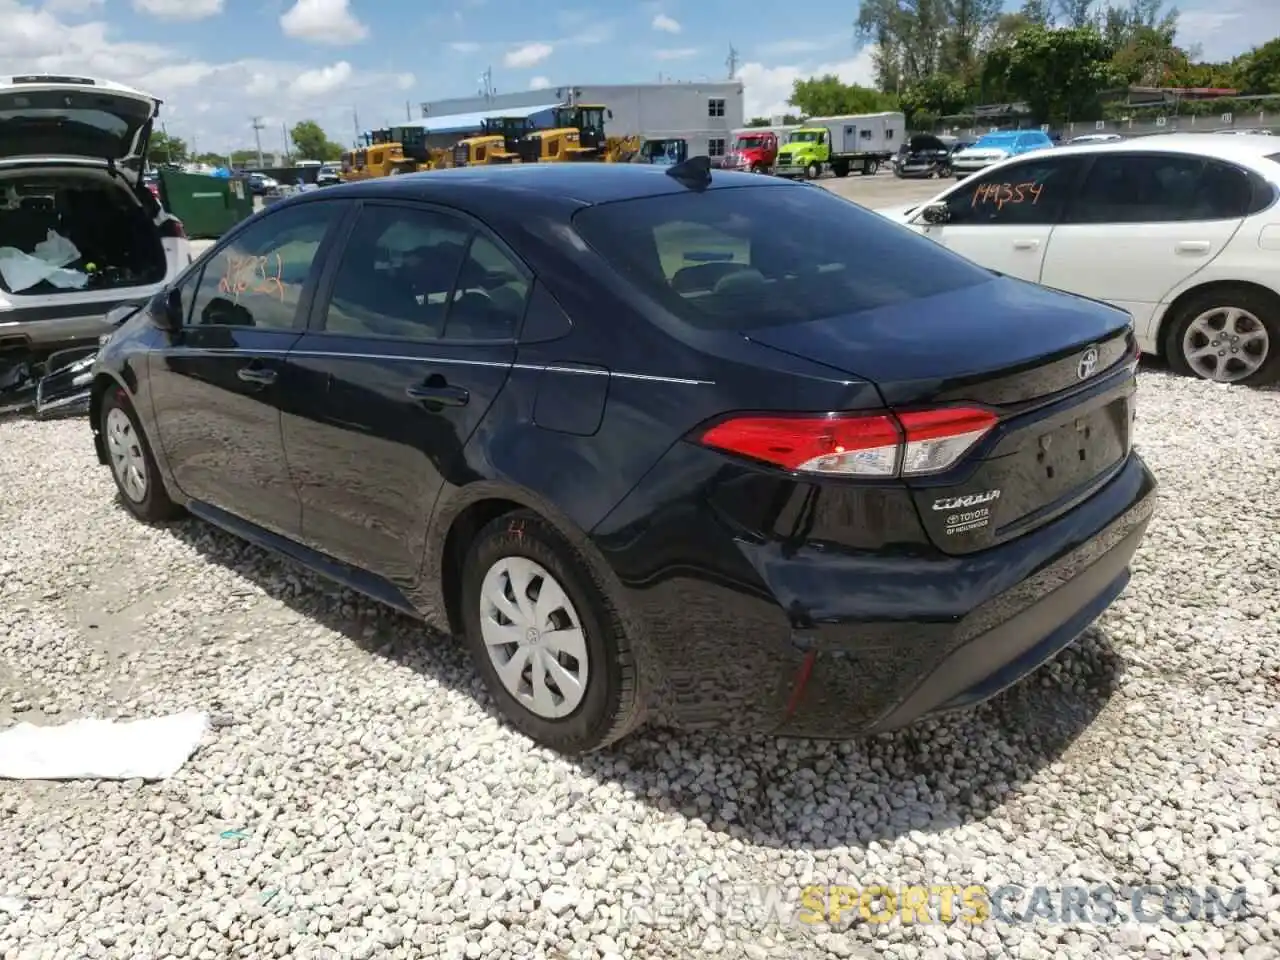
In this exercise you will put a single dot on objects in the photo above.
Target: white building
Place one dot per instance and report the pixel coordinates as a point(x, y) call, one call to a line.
point(705, 113)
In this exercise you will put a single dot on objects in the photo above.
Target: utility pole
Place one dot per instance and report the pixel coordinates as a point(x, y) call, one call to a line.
point(258, 127)
point(486, 84)
point(284, 132)
point(408, 113)
point(732, 62)
point(355, 122)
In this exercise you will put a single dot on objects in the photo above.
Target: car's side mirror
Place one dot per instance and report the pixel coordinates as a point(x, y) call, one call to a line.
point(936, 213)
point(165, 309)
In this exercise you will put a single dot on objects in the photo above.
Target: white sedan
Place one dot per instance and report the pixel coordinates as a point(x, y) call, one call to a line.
point(1180, 230)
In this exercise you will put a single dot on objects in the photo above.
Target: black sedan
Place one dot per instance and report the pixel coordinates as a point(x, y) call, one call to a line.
point(925, 156)
point(648, 442)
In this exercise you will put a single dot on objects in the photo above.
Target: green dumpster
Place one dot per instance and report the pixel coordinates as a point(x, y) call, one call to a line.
point(207, 206)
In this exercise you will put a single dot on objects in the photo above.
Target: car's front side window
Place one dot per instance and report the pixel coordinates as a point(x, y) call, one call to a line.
point(1160, 188)
point(257, 279)
point(396, 273)
point(1030, 192)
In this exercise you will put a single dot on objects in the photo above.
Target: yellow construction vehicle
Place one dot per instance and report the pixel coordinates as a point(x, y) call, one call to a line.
point(501, 140)
point(621, 149)
point(578, 134)
point(381, 158)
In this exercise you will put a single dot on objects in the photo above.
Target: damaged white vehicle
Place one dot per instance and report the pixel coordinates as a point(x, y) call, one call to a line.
point(80, 234)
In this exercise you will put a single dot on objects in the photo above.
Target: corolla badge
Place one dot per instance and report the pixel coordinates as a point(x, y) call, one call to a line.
point(968, 500)
point(1088, 363)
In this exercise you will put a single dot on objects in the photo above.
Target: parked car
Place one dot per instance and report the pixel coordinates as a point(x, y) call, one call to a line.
point(1180, 230)
point(591, 449)
point(80, 228)
point(924, 155)
point(260, 184)
point(994, 147)
point(1096, 138)
point(330, 175)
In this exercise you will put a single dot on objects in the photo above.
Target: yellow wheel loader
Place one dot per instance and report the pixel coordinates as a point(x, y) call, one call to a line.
point(499, 141)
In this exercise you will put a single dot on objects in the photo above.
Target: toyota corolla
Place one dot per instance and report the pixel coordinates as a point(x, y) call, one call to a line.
point(646, 442)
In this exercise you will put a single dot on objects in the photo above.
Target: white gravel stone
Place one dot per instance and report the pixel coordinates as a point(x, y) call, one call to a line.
point(357, 797)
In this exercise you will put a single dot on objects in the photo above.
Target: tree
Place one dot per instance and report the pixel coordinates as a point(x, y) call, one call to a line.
point(936, 96)
point(311, 143)
point(789, 118)
point(1060, 74)
point(915, 39)
point(1258, 71)
point(827, 96)
point(163, 148)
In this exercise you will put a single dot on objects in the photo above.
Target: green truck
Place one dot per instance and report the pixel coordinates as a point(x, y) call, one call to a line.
point(841, 144)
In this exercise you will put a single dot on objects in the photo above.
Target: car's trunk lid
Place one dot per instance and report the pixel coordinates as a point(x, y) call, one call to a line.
point(48, 116)
point(1056, 369)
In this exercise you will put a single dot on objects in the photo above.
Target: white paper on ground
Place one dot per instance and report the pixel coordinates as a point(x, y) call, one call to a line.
point(90, 749)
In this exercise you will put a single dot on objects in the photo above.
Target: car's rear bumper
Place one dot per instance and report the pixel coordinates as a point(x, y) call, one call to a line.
point(44, 327)
point(809, 640)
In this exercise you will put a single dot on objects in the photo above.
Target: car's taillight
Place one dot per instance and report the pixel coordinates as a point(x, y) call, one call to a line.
point(907, 444)
point(173, 230)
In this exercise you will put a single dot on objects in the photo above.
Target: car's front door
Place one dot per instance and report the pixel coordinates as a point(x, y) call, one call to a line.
point(218, 383)
point(1142, 224)
point(412, 337)
point(1002, 219)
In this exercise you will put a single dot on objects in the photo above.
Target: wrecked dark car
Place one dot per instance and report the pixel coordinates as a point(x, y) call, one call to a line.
point(925, 156)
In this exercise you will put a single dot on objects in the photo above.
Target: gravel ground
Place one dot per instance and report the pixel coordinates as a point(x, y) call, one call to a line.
point(357, 797)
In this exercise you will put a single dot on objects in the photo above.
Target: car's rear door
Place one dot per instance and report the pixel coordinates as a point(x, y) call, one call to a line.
point(218, 384)
point(411, 338)
point(1002, 219)
point(1143, 223)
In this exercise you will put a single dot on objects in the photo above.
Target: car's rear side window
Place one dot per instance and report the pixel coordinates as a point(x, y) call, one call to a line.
point(767, 256)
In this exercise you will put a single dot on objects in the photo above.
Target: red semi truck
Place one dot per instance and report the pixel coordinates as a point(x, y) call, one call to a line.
point(754, 149)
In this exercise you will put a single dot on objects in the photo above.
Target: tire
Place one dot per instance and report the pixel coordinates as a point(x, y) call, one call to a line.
point(813, 171)
point(129, 451)
point(1202, 315)
point(610, 704)
point(840, 169)
point(870, 168)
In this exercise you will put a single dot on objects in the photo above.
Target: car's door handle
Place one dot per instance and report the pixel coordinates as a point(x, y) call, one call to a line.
point(258, 375)
point(1026, 244)
point(1192, 246)
point(440, 394)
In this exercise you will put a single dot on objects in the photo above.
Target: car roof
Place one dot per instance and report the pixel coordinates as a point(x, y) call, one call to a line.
point(570, 184)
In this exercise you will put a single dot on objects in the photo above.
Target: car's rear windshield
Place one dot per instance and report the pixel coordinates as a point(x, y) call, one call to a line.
point(761, 256)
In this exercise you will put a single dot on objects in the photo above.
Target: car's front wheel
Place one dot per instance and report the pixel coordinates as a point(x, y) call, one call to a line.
point(132, 465)
point(1229, 335)
point(543, 635)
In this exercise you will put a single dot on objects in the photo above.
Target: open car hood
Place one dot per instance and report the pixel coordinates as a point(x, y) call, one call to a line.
point(47, 116)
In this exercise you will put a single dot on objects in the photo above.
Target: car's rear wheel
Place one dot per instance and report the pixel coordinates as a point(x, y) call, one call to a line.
point(132, 465)
point(1227, 335)
point(550, 647)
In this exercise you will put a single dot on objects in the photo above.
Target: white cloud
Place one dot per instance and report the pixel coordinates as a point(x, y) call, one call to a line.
point(539, 83)
point(179, 9)
point(72, 7)
point(318, 21)
point(664, 24)
point(765, 89)
point(528, 55)
point(784, 48)
point(405, 81)
point(464, 46)
point(315, 83)
point(677, 53)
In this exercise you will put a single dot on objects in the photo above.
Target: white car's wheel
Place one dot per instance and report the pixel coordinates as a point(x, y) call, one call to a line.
point(1228, 334)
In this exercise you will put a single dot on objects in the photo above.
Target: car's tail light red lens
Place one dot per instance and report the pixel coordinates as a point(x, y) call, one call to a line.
point(173, 230)
point(856, 445)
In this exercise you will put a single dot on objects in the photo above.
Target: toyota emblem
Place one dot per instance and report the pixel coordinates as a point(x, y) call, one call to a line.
point(1088, 363)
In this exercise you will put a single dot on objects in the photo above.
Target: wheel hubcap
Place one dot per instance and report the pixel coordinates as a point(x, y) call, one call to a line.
point(127, 461)
point(1226, 344)
point(534, 637)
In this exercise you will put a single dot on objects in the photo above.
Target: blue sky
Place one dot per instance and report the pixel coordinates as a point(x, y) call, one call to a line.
point(219, 63)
